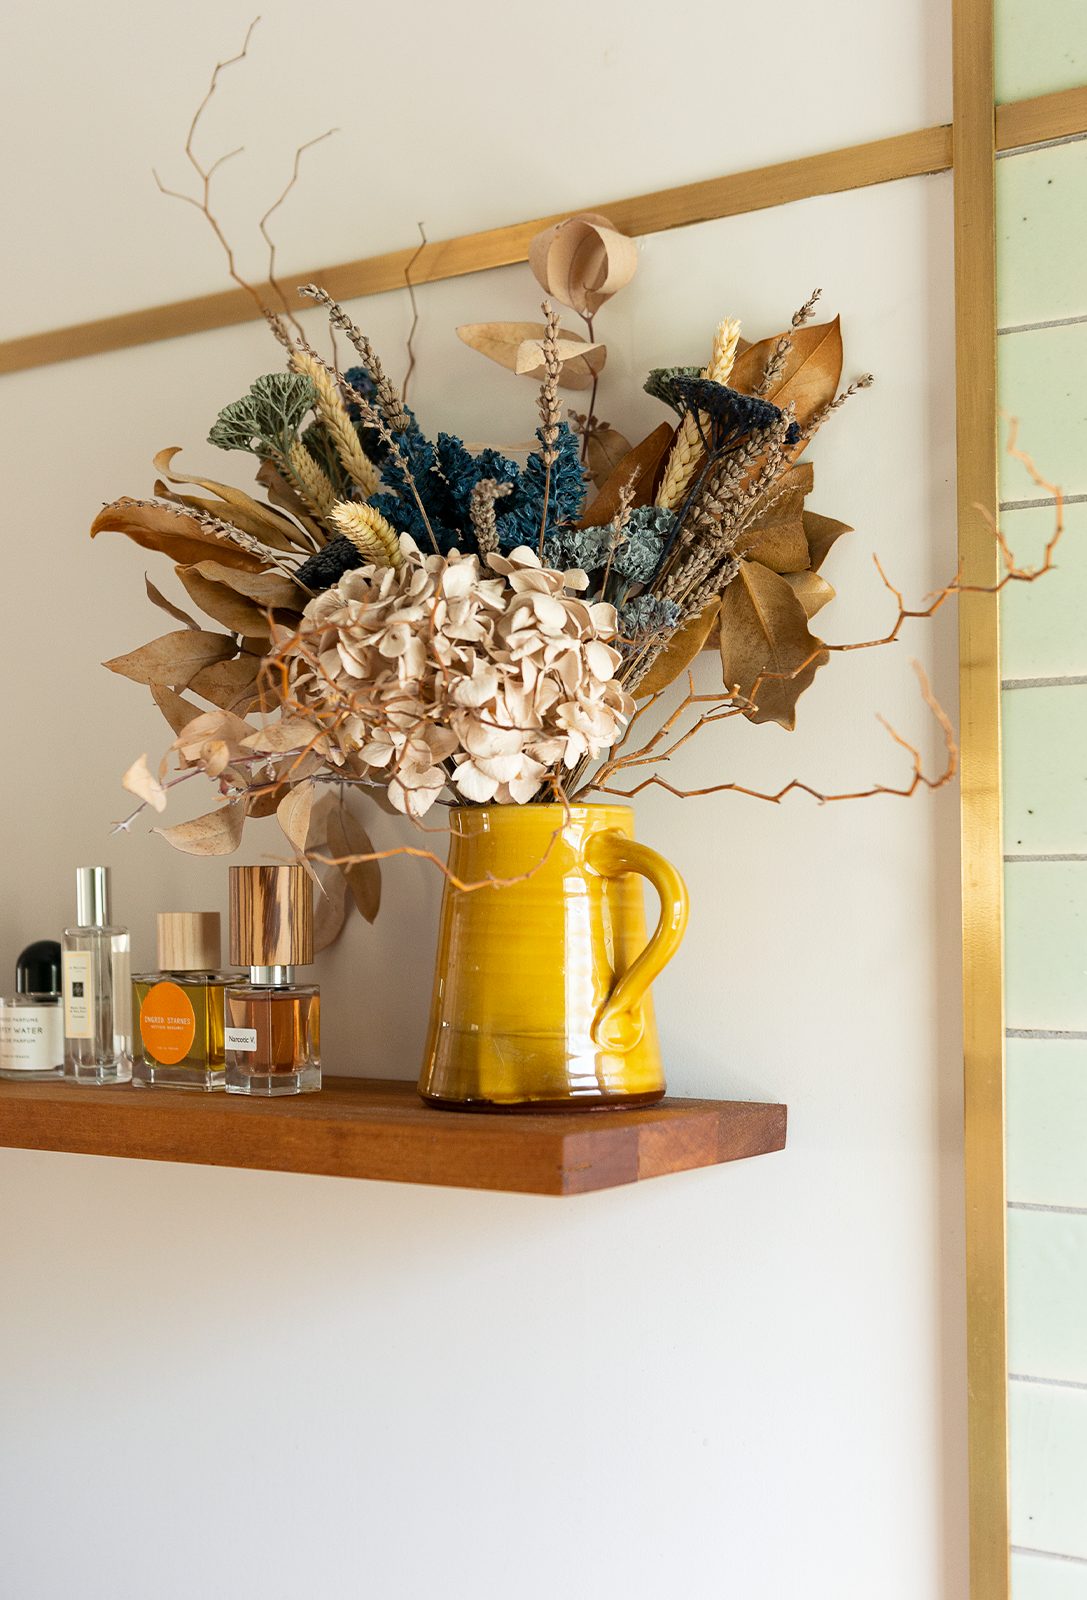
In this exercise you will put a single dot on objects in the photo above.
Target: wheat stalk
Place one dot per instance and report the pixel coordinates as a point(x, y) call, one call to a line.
point(687, 449)
point(368, 531)
point(392, 407)
point(309, 479)
point(333, 414)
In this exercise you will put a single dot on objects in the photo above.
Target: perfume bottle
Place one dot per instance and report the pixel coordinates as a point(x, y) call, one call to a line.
point(273, 1024)
point(177, 1024)
point(97, 987)
point(32, 1020)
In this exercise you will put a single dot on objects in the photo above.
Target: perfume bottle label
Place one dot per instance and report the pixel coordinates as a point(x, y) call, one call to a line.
point(31, 1038)
point(167, 1023)
point(79, 994)
point(241, 1039)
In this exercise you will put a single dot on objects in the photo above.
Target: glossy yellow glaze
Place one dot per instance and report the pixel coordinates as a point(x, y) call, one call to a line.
point(541, 990)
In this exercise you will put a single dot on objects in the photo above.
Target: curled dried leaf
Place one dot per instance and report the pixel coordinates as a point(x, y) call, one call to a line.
point(347, 837)
point(329, 907)
point(518, 346)
point(224, 605)
point(157, 598)
point(810, 589)
point(294, 812)
point(821, 534)
point(583, 261)
point(141, 781)
point(172, 531)
point(217, 833)
point(263, 522)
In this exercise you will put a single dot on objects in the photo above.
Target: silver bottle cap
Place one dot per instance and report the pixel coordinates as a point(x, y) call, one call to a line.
point(92, 897)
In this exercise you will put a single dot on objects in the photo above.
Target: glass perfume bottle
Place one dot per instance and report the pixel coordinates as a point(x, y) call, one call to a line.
point(32, 1020)
point(97, 987)
point(177, 1024)
point(273, 1023)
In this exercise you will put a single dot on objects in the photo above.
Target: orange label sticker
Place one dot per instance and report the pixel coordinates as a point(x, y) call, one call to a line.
point(167, 1023)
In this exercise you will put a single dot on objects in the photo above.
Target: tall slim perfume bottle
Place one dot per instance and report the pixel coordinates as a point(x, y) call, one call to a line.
point(97, 987)
point(32, 1020)
point(273, 1023)
point(177, 1024)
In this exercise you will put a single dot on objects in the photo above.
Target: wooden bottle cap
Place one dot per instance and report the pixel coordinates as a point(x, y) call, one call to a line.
point(189, 941)
point(271, 917)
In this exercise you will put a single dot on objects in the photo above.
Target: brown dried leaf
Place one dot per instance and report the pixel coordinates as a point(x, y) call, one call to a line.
point(233, 610)
point(230, 684)
point(175, 659)
point(639, 468)
point(767, 652)
point(157, 598)
point(579, 363)
point(269, 590)
point(294, 812)
point(810, 589)
point(606, 449)
point(583, 261)
point(511, 343)
point(282, 495)
point(265, 803)
point(680, 651)
point(329, 907)
point(821, 533)
point(809, 377)
point(171, 531)
point(216, 833)
point(261, 521)
point(178, 711)
point(293, 733)
point(348, 837)
point(141, 781)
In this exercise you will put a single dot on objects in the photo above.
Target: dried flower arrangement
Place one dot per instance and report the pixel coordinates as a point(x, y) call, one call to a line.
point(424, 622)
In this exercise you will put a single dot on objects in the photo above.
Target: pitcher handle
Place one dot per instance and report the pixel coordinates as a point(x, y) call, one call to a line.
point(619, 1023)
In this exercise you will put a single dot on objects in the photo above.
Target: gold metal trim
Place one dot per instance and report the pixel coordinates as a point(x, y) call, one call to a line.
point(906, 155)
point(979, 719)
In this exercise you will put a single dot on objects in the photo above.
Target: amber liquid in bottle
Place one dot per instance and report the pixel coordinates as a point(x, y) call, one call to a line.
point(273, 1035)
point(178, 1029)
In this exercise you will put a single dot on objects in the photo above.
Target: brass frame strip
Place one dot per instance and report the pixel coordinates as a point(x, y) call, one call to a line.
point(975, 143)
point(905, 155)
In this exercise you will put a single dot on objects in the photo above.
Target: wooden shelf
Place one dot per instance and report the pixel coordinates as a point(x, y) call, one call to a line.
point(378, 1128)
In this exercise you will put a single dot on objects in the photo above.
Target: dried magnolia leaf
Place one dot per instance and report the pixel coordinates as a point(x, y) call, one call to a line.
point(680, 651)
point(583, 261)
point(270, 590)
point(579, 363)
point(294, 812)
point(178, 711)
point(233, 610)
point(605, 450)
point(348, 837)
point(513, 343)
point(265, 523)
point(141, 781)
point(821, 533)
point(810, 589)
point(329, 907)
point(230, 684)
point(809, 376)
point(638, 468)
point(157, 598)
point(767, 653)
point(175, 659)
point(776, 537)
point(217, 833)
point(172, 531)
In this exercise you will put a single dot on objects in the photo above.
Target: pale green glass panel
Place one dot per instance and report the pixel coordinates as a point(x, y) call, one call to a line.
point(1043, 625)
point(1041, 46)
point(1043, 382)
point(1045, 944)
point(1042, 1578)
point(1047, 1122)
point(1047, 1294)
point(1041, 218)
point(1045, 770)
point(1049, 1467)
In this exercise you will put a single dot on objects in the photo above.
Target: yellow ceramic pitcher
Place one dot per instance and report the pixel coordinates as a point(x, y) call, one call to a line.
point(541, 991)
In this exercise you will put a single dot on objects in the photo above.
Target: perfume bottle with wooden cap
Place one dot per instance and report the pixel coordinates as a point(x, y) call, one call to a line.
point(273, 1023)
point(179, 1018)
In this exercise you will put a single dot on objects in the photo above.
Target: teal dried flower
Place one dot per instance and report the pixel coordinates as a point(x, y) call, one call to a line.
point(587, 548)
point(645, 536)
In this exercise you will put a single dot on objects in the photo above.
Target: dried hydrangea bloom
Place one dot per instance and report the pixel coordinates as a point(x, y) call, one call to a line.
point(444, 672)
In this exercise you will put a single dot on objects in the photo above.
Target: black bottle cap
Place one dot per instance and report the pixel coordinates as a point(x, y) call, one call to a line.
point(37, 970)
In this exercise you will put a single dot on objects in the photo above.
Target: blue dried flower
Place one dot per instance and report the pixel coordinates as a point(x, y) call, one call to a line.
point(647, 616)
point(732, 415)
point(659, 382)
point(519, 520)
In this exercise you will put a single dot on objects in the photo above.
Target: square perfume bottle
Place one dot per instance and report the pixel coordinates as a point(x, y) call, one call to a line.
point(179, 1017)
point(273, 1023)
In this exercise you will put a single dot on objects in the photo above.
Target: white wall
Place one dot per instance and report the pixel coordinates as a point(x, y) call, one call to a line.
point(746, 1381)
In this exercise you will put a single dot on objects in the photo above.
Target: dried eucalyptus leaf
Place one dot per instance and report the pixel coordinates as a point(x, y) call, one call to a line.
point(175, 659)
point(230, 684)
point(330, 907)
point(266, 523)
point(216, 833)
point(157, 598)
point(178, 711)
point(579, 363)
point(141, 781)
point(348, 837)
point(294, 812)
point(270, 590)
point(233, 610)
point(606, 449)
